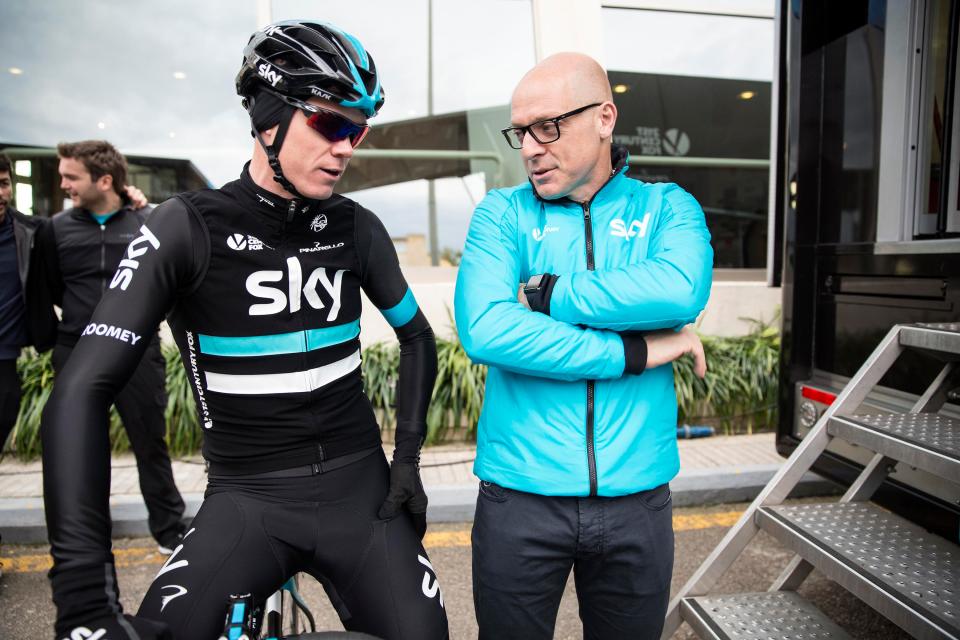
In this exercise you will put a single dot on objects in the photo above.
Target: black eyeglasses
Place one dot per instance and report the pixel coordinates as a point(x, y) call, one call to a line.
point(543, 131)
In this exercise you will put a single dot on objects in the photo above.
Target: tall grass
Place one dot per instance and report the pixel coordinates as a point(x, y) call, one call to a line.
point(738, 394)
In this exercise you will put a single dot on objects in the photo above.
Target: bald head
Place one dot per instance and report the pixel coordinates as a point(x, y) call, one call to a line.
point(576, 77)
point(566, 106)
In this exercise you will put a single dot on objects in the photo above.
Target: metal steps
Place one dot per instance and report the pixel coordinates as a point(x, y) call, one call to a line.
point(926, 441)
point(908, 575)
point(759, 616)
point(943, 337)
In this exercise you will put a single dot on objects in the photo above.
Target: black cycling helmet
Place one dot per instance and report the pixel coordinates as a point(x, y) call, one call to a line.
point(295, 60)
point(298, 59)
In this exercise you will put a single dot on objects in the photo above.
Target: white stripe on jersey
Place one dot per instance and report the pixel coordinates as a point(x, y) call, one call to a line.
point(293, 382)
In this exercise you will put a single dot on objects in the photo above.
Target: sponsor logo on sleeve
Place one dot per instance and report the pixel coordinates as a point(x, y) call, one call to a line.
point(111, 331)
point(131, 262)
point(83, 633)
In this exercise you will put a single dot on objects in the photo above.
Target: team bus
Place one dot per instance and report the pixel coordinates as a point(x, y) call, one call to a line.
point(866, 231)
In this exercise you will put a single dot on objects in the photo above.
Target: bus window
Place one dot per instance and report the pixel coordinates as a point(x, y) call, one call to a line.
point(844, 55)
point(935, 137)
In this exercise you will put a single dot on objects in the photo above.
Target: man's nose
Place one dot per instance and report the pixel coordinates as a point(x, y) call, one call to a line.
point(530, 148)
point(342, 148)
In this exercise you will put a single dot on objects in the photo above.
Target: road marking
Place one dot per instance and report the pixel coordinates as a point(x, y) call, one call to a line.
point(136, 556)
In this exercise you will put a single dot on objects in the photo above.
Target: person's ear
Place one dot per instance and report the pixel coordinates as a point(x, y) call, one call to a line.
point(608, 119)
point(105, 183)
point(268, 135)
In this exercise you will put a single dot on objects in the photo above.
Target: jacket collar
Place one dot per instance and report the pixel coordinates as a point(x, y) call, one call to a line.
point(619, 160)
point(84, 215)
point(270, 204)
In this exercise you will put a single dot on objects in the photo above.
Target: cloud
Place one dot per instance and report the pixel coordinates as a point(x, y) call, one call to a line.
point(113, 62)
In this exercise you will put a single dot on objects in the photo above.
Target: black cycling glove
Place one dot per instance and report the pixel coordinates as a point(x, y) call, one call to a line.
point(406, 489)
point(122, 627)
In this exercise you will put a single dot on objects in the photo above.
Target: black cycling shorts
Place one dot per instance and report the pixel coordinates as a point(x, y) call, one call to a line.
point(253, 533)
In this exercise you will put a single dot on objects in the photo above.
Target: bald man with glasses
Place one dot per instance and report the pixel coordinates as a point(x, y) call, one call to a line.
point(576, 444)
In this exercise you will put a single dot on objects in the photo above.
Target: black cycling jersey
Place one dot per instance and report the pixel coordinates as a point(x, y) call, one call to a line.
point(264, 303)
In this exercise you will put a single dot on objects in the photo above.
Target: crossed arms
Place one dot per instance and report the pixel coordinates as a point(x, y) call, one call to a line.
point(580, 338)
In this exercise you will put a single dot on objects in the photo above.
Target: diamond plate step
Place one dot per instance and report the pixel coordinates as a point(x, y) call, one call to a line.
point(927, 441)
point(940, 336)
point(759, 616)
point(908, 575)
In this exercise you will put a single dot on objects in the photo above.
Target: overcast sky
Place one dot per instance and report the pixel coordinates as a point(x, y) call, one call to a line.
point(105, 69)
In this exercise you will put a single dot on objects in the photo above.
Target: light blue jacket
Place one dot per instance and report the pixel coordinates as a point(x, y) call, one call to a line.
point(550, 375)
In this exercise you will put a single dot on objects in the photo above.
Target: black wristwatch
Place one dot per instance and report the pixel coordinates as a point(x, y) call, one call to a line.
point(537, 291)
point(532, 286)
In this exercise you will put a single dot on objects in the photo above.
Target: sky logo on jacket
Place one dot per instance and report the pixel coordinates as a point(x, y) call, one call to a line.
point(637, 228)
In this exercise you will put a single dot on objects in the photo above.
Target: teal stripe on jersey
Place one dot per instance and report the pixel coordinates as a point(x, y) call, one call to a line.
point(278, 343)
point(403, 312)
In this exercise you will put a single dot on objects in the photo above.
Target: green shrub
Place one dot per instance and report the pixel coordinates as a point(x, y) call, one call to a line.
point(738, 394)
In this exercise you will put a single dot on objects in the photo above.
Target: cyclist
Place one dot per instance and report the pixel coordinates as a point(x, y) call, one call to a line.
point(260, 282)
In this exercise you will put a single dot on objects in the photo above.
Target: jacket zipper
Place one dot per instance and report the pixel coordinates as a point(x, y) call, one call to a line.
point(103, 277)
point(591, 385)
point(591, 453)
point(291, 214)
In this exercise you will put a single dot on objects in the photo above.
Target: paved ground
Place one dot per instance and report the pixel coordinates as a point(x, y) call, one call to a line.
point(26, 612)
point(444, 465)
point(713, 470)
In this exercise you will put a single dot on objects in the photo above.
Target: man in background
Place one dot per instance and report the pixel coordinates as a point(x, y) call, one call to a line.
point(24, 320)
point(81, 249)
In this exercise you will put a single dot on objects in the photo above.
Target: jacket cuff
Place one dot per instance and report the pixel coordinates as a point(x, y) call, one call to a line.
point(540, 302)
point(634, 353)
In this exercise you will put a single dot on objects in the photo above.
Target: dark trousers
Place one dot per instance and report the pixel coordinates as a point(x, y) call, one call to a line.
point(524, 546)
point(252, 533)
point(9, 398)
point(141, 405)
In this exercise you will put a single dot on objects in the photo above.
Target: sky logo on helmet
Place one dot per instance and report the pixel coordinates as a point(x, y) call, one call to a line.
point(267, 73)
point(272, 30)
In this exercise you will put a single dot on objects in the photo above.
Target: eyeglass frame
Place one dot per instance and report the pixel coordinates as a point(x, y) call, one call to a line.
point(556, 121)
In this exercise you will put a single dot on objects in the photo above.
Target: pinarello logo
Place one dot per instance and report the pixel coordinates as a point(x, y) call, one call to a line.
point(237, 242)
